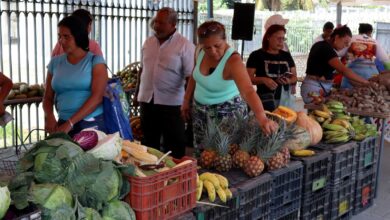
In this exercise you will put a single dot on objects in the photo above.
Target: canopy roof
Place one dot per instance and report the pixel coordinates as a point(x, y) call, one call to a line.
point(362, 2)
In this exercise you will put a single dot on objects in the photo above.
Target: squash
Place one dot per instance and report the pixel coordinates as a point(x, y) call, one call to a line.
point(301, 140)
point(311, 125)
point(286, 113)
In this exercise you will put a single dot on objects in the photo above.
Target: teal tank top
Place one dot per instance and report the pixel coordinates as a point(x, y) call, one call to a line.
point(213, 89)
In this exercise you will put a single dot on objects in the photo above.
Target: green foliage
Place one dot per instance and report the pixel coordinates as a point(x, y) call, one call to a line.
point(5, 200)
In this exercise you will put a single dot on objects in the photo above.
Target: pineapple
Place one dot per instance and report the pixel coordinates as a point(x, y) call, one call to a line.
point(276, 161)
point(237, 130)
point(253, 166)
point(286, 154)
point(223, 162)
point(233, 148)
point(208, 155)
point(242, 154)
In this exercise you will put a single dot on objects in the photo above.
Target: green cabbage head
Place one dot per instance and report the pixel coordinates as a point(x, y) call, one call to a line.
point(5, 200)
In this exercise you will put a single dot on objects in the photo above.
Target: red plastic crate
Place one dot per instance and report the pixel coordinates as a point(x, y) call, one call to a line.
point(153, 198)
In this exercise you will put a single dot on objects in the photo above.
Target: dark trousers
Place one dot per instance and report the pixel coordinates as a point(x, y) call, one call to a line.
point(163, 121)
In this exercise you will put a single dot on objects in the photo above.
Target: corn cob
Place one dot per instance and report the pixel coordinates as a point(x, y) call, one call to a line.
point(140, 155)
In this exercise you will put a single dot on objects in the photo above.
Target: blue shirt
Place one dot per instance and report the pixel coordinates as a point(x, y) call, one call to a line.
point(72, 84)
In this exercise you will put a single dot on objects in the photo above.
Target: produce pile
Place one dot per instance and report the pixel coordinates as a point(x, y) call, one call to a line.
point(129, 76)
point(339, 126)
point(66, 182)
point(23, 90)
point(373, 98)
point(135, 123)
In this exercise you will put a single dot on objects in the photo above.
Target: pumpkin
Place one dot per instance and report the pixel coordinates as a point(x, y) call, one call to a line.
point(286, 113)
point(301, 140)
point(311, 125)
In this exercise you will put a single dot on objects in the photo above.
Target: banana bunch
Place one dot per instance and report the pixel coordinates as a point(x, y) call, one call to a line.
point(338, 131)
point(323, 115)
point(362, 129)
point(214, 184)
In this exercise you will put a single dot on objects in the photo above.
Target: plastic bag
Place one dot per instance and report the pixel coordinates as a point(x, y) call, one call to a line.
point(116, 110)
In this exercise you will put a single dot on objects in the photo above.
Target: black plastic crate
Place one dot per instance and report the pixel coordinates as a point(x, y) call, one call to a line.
point(286, 187)
point(367, 154)
point(341, 199)
point(255, 197)
point(365, 191)
point(29, 213)
point(287, 212)
point(316, 173)
point(315, 207)
point(208, 212)
point(343, 162)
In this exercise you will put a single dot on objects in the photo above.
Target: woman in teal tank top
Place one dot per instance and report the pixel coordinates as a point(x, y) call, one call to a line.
point(219, 85)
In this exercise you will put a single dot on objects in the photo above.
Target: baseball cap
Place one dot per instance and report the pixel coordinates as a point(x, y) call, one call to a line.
point(275, 19)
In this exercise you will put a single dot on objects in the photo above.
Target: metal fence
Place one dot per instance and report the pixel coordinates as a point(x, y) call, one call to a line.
point(28, 33)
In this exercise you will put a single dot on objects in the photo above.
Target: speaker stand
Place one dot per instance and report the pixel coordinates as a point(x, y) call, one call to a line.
point(242, 49)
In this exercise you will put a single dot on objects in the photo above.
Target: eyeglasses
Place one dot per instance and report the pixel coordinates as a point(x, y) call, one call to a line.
point(210, 29)
point(281, 38)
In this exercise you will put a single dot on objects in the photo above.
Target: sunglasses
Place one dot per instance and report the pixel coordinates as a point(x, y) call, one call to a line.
point(213, 28)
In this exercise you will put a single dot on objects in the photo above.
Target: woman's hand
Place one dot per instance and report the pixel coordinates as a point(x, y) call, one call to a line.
point(185, 110)
point(50, 124)
point(283, 81)
point(270, 83)
point(65, 127)
point(268, 126)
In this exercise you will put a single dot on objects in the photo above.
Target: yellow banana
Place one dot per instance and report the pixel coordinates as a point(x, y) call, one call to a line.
point(222, 180)
point(334, 127)
point(199, 189)
point(321, 113)
point(320, 119)
point(302, 153)
point(221, 194)
point(210, 190)
point(326, 109)
point(228, 193)
point(359, 137)
point(197, 180)
point(210, 177)
point(341, 122)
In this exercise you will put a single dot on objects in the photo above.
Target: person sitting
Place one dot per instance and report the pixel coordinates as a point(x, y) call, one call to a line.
point(75, 82)
point(219, 85)
point(323, 61)
point(93, 46)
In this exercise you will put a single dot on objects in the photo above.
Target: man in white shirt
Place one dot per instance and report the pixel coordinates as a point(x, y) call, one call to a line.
point(168, 59)
point(327, 30)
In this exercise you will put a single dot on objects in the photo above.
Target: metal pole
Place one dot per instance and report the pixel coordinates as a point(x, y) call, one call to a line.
point(210, 9)
point(381, 144)
point(339, 12)
point(242, 49)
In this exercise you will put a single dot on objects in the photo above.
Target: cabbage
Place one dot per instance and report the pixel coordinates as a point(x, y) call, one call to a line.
point(51, 196)
point(108, 148)
point(118, 210)
point(101, 135)
point(5, 200)
point(86, 139)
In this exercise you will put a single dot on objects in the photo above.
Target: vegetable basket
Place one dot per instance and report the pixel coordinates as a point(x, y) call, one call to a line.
point(164, 195)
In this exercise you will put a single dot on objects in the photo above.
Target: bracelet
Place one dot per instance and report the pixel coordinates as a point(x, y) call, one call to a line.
point(70, 122)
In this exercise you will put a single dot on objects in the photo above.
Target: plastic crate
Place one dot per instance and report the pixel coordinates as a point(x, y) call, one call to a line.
point(186, 216)
point(291, 216)
point(30, 213)
point(286, 189)
point(315, 207)
point(8, 161)
point(368, 151)
point(164, 195)
point(365, 191)
point(208, 212)
point(341, 199)
point(343, 163)
point(255, 197)
point(316, 173)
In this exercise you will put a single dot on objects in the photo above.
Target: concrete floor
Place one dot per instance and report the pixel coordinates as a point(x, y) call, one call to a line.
point(381, 208)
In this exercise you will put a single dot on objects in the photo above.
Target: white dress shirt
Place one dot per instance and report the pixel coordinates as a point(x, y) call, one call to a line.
point(164, 70)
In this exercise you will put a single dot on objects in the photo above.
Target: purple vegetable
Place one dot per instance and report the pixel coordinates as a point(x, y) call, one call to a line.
point(86, 139)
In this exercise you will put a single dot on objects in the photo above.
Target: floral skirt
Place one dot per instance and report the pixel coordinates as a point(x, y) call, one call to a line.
point(220, 113)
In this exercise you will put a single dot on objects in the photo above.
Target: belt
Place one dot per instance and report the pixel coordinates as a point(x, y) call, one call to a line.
point(318, 78)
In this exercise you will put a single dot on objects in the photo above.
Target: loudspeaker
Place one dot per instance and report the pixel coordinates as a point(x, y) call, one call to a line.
point(243, 21)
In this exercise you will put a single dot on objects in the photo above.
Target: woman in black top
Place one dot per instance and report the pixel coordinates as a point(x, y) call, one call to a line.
point(323, 61)
point(272, 69)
